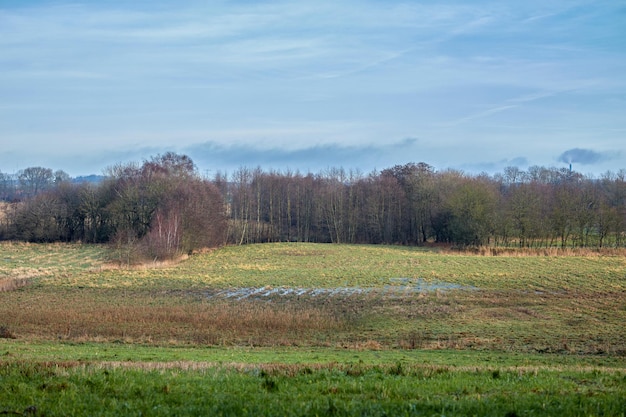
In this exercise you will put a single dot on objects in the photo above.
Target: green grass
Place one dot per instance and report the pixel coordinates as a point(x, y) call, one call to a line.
point(317, 265)
point(524, 335)
point(349, 265)
point(49, 259)
point(358, 389)
point(569, 304)
point(23, 351)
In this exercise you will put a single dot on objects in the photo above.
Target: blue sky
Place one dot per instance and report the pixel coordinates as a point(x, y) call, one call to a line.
point(307, 85)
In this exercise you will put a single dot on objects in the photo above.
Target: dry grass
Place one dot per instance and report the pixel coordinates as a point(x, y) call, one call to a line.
point(533, 252)
point(12, 284)
point(144, 319)
point(518, 302)
point(142, 266)
point(424, 370)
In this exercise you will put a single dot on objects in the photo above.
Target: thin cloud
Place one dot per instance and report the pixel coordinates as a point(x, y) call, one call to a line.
point(389, 57)
point(482, 114)
point(531, 97)
point(540, 17)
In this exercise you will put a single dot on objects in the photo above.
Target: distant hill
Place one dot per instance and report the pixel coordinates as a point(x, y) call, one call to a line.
point(92, 179)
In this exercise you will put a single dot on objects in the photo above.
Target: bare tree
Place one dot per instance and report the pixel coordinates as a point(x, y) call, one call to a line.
point(34, 180)
point(7, 187)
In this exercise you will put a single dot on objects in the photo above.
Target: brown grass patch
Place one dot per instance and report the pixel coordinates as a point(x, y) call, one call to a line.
point(291, 370)
point(522, 252)
point(142, 266)
point(242, 323)
point(12, 284)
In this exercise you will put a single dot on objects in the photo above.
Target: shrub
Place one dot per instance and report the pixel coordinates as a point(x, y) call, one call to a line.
point(6, 333)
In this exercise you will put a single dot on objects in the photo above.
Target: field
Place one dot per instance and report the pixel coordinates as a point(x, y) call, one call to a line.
point(305, 329)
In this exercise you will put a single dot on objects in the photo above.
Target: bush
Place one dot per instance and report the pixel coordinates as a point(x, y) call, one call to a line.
point(5, 333)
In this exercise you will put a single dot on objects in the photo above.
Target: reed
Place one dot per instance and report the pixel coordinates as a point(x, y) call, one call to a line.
point(246, 323)
point(533, 252)
point(12, 284)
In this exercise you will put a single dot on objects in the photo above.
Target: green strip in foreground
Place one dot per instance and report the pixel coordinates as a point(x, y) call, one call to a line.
point(356, 390)
point(24, 351)
point(59, 379)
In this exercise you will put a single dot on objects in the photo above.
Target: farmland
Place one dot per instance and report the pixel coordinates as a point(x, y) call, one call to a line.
point(347, 329)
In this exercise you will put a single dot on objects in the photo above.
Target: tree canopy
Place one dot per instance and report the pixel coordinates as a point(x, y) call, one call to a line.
point(155, 210)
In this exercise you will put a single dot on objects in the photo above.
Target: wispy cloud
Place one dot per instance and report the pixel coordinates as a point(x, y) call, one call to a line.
point(531, 97)
point(481, 115)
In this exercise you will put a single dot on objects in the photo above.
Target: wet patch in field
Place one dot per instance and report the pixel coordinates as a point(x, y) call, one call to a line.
point(394, 287)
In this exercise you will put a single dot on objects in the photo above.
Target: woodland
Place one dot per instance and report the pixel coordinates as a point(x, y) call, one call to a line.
point(162, 208)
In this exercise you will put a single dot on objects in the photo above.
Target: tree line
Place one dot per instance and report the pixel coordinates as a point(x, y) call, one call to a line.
point(163, 207)
point(413, 204)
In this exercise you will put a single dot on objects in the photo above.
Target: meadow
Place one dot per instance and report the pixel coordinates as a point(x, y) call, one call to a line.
point(312, 329)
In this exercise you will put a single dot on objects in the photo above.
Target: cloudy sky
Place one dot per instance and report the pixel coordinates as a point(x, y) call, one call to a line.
point(307, 85)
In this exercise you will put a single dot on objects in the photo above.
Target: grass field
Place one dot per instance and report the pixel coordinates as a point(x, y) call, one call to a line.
point(338, 329)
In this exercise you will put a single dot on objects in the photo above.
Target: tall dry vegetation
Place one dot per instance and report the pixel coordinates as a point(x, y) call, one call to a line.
point(532, 252)
point(210, 324)
point(12, 284)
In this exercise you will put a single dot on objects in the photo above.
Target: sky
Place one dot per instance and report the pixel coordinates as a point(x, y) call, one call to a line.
point(310, 85)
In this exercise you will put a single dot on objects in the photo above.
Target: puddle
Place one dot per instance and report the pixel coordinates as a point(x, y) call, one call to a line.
point(266, 292)
point(420, 285)
point(394, 287)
